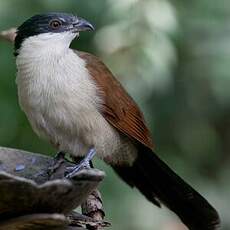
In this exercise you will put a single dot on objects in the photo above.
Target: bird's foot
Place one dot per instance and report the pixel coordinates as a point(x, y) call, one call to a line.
point(84, 164)
point(57, 161)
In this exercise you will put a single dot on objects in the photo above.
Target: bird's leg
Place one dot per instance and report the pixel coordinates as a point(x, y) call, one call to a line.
point(59, 155)
point(59, 158)
point(84, 164)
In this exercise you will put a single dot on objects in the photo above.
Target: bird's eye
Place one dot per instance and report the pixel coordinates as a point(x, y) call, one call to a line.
point(55, 24)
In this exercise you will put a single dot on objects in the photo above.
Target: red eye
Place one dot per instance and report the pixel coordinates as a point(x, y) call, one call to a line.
point(55, 24)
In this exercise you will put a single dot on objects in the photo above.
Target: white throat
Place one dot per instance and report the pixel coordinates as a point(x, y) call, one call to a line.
point(46, 44)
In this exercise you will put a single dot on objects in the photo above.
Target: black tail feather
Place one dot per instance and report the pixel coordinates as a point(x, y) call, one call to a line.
point(159, 183)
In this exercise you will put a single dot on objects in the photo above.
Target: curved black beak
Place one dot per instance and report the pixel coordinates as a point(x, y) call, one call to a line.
point(82, 25)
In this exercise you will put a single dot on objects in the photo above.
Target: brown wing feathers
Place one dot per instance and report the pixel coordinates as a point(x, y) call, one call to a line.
point(119, 108)
point(148, 173)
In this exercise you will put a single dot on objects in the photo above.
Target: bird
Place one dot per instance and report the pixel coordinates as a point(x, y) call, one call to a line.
point(73, 100)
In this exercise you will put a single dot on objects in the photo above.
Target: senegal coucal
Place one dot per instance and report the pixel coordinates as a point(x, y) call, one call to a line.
point(73, 100)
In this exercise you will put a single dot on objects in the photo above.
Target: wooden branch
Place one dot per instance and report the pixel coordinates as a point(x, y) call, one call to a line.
point(78, 219)
point(44, 221)
point(8, 35)
point(30, 196)
point(93, 208)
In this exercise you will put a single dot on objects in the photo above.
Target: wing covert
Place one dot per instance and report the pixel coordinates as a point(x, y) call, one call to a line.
point(119, 109)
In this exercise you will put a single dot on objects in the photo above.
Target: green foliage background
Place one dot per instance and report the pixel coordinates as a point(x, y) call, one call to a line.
point(173, 57)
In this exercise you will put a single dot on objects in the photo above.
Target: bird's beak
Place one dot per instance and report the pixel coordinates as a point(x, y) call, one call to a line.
point(82, 25)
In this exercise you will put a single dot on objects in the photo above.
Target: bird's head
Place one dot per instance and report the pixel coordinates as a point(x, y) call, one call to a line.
point(44, 30)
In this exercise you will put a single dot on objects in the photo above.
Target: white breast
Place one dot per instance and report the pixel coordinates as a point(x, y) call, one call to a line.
point(60, 100)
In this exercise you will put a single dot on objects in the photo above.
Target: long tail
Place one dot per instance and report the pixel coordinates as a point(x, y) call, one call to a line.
point(158, 182)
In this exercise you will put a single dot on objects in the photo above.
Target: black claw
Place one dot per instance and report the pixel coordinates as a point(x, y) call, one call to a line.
point(57, 161)
point(59, 155)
